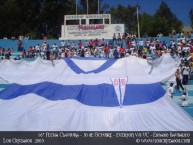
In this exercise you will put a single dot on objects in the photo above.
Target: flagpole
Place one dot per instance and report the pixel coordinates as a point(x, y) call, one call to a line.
point(98, 6)
point(138, 29)
point(76, 7)
point(87, 7)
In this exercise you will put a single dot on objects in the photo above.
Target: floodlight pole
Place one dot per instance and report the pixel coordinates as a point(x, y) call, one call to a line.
point(138, 29)
point(76, 7)
point(98, 6)
point(87, 7)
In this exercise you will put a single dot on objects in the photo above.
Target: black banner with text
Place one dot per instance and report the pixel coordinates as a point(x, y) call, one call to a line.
point(95, 138)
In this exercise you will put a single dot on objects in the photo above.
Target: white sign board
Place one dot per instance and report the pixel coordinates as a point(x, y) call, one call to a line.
point(90, 31)
point(99, 31)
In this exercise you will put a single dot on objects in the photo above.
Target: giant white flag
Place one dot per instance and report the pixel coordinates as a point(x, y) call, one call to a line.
point(89, 95)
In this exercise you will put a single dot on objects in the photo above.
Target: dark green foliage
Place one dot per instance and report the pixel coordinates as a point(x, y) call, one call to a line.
point(33, 17)
point(146, 24)
point(165, 21)
point(125, 15)
point(92, 7)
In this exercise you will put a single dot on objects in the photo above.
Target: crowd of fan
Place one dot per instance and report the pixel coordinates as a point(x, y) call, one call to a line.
point(118, 47)
point(5, 53)
point(115, 48)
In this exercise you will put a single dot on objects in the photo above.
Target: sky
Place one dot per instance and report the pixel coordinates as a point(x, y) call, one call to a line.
point(180, 8)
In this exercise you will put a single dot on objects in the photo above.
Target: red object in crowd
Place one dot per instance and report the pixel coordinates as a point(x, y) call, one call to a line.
point(121, 50)
point(80, 44)
point(19, 43)
point(191, 48)
point(106, 49)
point(45, 37)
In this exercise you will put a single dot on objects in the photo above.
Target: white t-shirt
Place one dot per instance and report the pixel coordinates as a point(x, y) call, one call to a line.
point(87, 54)
point(184, 100)
point(186, 70)
point(63, 43)
point(186, 49)
point(44, 46)
point(133, 43)
point(54, 47)
point(37, 47)
point(147, 43)
point(141, 43)
point(170, 90)
point(152, 48)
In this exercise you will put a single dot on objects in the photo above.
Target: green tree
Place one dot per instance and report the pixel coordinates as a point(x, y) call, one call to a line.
point(18, 17)
point(9, 18)
point(27, 17)
point(92, 6)
point(146, 24)
point(165, 21)
point(126, 15)
point(52, 16)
